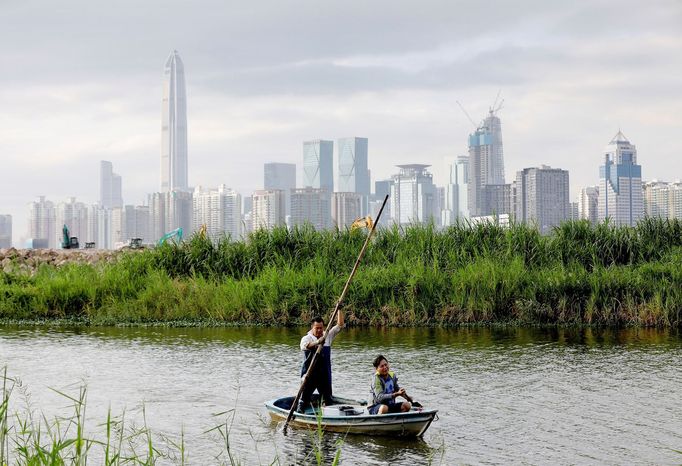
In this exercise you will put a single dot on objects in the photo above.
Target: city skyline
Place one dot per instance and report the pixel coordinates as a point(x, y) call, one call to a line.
point(569, 78)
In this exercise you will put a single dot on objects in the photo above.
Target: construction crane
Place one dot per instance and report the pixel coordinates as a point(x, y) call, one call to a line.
point(495, 107)
point(473, 123)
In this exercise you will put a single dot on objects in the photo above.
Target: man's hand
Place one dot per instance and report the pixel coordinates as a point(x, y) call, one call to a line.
point(321, 339)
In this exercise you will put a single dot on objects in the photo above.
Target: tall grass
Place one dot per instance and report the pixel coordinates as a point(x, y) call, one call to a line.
point(29, 438)
point(579, 274)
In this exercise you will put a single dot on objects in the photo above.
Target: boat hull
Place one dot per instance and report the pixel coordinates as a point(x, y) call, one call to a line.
point(410, 424)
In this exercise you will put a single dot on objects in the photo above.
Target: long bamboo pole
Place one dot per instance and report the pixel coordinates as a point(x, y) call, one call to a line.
point(315, 358)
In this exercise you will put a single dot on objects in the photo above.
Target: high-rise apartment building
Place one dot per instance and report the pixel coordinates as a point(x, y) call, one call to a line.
point(41, 223)
point(129, 222)
point(280, 176)
point(99, 227)
point(353, 174)
point(486, 166)
point(268, 209)
point(456, 205)
point(588, 204)
point(110, 195)
point(311, 206)
point(74, 215)
point(169, 211)
point(662, 199)
point(220, 210)
point(5, 231)
point(620, 185)
point(542, 197)
point(413, 195)
point(174, 126)
point(656, 199)
point(318, 165)
point(346, 207)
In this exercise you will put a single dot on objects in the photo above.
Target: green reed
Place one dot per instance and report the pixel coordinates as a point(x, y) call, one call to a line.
point(418, 275)
point(29, 438)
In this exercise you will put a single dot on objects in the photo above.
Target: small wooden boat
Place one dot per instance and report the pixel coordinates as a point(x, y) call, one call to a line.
point(351, 416)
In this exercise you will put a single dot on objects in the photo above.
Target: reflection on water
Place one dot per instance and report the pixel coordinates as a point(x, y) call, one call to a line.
point(533, 395)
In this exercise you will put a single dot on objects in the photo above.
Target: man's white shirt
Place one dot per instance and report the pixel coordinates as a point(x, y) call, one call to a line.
point(310, 338)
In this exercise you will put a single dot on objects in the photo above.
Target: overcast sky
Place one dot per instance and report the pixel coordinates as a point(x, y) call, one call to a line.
point(80, 82)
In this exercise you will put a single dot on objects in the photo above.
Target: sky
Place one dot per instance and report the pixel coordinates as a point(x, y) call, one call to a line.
point(80, 82)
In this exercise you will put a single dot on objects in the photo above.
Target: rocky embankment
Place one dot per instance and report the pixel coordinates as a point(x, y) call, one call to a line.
point(27, 261)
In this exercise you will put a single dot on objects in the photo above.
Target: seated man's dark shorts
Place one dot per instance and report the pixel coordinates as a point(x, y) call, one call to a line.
point(393, 407)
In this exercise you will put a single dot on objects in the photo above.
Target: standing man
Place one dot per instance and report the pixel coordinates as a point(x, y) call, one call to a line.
point(321, 376)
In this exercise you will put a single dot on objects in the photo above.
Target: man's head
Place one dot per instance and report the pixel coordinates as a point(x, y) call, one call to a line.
point(381, 364)
point(317, 326)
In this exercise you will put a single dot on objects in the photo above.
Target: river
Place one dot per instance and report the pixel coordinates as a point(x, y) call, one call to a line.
point(505, 395)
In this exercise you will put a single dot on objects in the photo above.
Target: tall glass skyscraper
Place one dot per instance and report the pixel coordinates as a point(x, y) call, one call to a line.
point(318, 165)
point(620, 183)
point(353, 174)
point(486, 164)
point(174, 126)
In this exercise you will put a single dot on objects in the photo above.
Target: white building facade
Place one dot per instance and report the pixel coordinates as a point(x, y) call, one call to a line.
point(268, 209)
point(174, 126)
point(413, 195)
point(220, 210)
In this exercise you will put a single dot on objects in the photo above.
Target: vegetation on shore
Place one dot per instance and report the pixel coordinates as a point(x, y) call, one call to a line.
point(580, 274)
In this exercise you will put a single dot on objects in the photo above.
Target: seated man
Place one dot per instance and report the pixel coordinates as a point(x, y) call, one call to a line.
point(385, 389)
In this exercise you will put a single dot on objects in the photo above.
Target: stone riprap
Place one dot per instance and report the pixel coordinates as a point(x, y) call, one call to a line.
point(27, 261)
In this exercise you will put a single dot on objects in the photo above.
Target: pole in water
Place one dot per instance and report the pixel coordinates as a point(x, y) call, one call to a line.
point(315, 357)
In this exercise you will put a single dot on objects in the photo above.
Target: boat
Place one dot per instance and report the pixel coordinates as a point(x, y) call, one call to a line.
point(351, 416)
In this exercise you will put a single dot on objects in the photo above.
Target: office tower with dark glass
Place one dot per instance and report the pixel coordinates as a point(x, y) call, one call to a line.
point(280, 176)
point(353, 174)
point(620, 184)
point(486, 168)
point(174, 126)
point(318, 168)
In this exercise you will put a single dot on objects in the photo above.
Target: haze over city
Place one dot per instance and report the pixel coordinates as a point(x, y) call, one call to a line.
point(82, 83)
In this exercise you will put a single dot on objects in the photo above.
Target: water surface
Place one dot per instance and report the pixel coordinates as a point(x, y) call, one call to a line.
point(532, 396)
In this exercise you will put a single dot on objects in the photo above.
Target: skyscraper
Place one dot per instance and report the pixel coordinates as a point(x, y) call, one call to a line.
point(588, 203)
point(318, 165)
point(74, 215)
point(486, 165)
point(41, 222)
point(413, 195)
point(109, 186)
point(620, 185)
point(312, 206)
point(280, 176)
point(353, 174)
point(220, 210)
point(456, 205)
point(268, 209)
point(5, 231)
point(174, 126)
point(346, 207)
point(542, 197)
